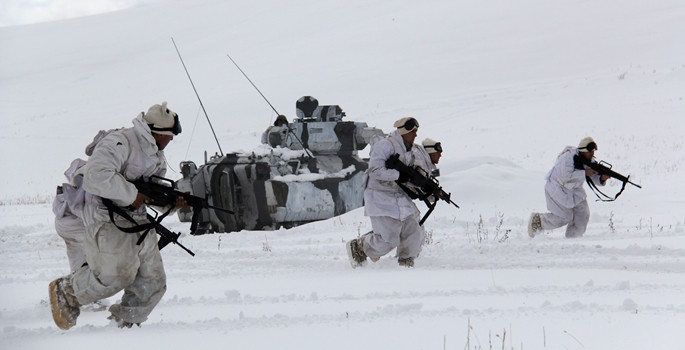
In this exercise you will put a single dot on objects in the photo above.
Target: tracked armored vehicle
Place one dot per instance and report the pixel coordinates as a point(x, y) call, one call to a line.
point(308, 171)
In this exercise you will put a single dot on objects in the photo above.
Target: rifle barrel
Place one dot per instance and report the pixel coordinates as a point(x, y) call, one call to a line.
point(183, 247)
point(220, 209)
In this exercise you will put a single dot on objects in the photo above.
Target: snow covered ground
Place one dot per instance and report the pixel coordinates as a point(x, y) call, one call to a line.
point(504, 85)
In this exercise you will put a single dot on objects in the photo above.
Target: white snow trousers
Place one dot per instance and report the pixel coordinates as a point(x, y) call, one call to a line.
point(71, 228)
point(115, 262)
point(389, 233)
point(576, 217)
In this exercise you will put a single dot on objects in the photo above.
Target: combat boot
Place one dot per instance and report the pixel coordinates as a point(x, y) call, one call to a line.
point(120, 322)
point(534, 224)
point(64, 305)
point(406, 262)
point(355, 251)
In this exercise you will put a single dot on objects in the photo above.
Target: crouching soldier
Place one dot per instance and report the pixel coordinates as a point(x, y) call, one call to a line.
point(564, 192)
point(116, 260)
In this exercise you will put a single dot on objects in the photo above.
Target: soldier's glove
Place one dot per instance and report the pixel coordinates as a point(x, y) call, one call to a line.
point(404, 177)
point(392, 162)
point(578, 162)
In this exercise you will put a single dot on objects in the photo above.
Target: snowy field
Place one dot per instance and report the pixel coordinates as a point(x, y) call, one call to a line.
point(505, 86)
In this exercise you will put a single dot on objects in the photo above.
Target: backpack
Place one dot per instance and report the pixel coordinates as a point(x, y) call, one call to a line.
point(70, 196)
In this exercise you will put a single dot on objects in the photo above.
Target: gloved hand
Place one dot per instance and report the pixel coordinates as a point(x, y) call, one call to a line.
point(578, 162)
point(391, 163)
point(403, 177)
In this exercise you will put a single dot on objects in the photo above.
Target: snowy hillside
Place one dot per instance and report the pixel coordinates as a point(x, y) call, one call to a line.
point(504, 85)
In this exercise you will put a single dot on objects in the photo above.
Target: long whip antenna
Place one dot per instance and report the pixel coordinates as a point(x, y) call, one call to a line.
point(306, 149)
point(255, 86)
point(198, 96)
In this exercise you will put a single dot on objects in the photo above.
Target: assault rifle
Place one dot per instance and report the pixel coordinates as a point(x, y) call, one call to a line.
point(166, 195)
point(604, 168)
point(166, 236)
point(162, 196)
point(424, 185)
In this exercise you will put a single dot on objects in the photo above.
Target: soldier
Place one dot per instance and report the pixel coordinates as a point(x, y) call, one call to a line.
point(394, 216)
point(429, 156)
point(566, 199)
point(116, 260)
point(280, 121)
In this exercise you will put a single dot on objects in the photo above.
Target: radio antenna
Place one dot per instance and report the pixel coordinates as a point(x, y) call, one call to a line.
point(198, 96)
point(255, 86)
point(306, 149)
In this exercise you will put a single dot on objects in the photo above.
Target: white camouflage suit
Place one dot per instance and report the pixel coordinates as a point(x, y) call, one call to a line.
point(423, 159)
point(394, 216)
point(68, 210)
point(115, 261)
point(565, 195)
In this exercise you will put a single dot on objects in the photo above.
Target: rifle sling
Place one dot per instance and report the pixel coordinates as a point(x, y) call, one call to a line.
point(597, 192)
point(113, 208)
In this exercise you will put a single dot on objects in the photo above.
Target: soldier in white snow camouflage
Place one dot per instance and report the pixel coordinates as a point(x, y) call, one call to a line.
point(428, 156)
point(394, 216)
point(116, 260)
point(281, 121)
point(564, 192)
